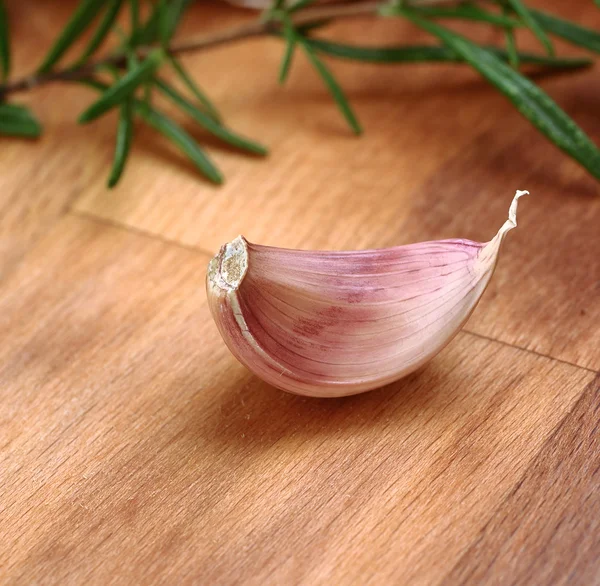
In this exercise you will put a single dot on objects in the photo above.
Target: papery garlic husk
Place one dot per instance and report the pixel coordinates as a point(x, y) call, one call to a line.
point(329, 324)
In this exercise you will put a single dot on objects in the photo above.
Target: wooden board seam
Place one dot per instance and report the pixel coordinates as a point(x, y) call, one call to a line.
point(138, 231)
point(541, 354)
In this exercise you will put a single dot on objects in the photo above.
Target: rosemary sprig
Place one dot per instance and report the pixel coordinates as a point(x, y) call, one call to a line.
point(511, 43)
point(82, 18)
point(574, 33)
point(124, 87)
point(290, 38)
point(525, 15)
point(208, 122)
point(182, 140)
point(294, 38)
point(434, 54)
point(110, 16)
point(135, 63)
point(193, 87)
point(332, 84)
point(528, 98)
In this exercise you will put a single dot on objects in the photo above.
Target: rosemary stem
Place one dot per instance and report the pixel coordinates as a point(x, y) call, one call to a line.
point(256, 28)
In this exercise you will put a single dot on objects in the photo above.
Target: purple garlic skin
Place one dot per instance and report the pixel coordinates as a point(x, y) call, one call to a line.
point(330, 324)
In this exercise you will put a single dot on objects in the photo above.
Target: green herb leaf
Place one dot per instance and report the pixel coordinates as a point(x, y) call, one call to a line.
point(183, 140)
point(103, 29)
point(290, 36)
point(570, 31)
point(19, 128)
point(511, 45)
point(194, 89)
point(163, 22)
point(132, 59)
point(150, 31)
point(529, 99)
point(511, 48)
point(84, 14)
point(208, 123)
point(542, 60)
point(332, 85)
point(123, 144)
point(170, 129)
point(173, 15)
point(18, 121)
point(402, 54)
point(14, 109)
point(124, 87)
point(463, 12)
point(525, 15)
point(4, 42)
point(428, 53)
point(134, 12)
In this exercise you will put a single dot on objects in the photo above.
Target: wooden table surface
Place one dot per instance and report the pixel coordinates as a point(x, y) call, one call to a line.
point(135, 449)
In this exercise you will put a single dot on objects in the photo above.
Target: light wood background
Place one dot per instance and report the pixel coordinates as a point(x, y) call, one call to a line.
point(135, 450)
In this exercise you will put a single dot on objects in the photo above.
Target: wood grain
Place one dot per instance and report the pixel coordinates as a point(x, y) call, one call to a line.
point(547, 530)
point(135, 450)
point(135, 445)
point(41, 178)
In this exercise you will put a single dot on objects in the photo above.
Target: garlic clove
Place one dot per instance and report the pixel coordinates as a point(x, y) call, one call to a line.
point(329, 324)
